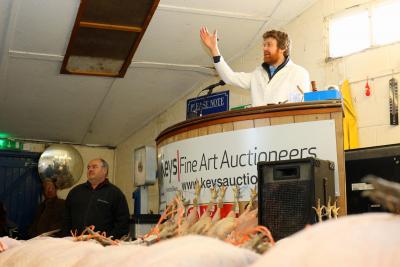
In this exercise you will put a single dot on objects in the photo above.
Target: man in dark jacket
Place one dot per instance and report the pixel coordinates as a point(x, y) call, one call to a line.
point(49, 215)
point(97, 202)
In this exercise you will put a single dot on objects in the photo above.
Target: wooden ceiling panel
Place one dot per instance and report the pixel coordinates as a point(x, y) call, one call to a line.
point(121, 12)
point(106, 35)
point(103, 43)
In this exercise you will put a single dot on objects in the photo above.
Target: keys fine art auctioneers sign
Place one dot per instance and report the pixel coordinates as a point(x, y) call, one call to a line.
point(230, 158)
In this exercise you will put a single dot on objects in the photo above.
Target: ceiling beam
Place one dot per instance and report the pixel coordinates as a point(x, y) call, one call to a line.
point(171, 66)
point(134, 64)
point(210, 12)
point(34, 55)
point(94, 25)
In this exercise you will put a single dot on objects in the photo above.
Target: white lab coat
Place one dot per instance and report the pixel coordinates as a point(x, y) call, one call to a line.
point(282, 87)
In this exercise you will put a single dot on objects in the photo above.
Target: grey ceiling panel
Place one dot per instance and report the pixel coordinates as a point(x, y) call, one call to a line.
point(42, 104)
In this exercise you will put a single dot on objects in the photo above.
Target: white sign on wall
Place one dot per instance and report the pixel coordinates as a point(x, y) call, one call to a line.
point(230, 158)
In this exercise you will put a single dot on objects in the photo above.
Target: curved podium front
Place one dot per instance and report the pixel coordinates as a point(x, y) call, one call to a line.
point(222, 150)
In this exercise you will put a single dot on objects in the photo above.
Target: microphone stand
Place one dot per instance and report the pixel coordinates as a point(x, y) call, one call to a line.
point(210, 88)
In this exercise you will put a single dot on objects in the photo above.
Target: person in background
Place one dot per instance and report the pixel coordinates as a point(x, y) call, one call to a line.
point(49, 214)
point(276, 80)
point(97, 202)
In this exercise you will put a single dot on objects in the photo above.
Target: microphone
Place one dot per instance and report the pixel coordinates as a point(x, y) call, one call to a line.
point(212, 86)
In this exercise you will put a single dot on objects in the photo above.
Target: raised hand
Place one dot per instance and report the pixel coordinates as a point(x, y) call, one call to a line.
point(210, 40)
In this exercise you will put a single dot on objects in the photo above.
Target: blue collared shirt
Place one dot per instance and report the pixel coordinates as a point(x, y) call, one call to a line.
point(272, 70)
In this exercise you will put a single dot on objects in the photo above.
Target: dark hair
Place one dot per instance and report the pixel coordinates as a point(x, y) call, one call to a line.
point(48, 180)
point(105, 164)
point(282, 39)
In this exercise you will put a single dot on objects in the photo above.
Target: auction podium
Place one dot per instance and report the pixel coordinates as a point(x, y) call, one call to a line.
point(285, 115)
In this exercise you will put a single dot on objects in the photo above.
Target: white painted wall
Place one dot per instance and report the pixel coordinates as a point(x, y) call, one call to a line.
point(309, 35)
point(309, 49)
